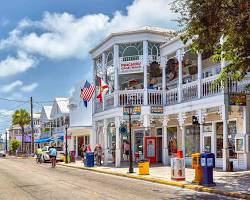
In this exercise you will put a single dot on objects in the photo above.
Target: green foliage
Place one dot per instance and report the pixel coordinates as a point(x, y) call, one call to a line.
point(22, 118)
point(206, 22)
point(14, 145)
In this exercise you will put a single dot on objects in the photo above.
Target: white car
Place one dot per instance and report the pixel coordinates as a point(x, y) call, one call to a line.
point(45, 154)
point(2, 153)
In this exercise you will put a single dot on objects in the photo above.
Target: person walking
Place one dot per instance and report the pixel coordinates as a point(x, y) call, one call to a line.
point(52, 155)
point(126, 149)
point(83, 152)
point(113, 148)
point(39, 153)
point(98, 154)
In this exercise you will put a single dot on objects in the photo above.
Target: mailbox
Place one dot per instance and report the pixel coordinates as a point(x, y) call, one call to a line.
point(207, 164)
point(196, 164)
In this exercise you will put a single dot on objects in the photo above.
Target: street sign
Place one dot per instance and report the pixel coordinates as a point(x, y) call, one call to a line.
point(136, 110)
point(157, 109)
point(237, 99)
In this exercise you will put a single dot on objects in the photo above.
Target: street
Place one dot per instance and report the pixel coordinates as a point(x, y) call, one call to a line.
point(23, 179)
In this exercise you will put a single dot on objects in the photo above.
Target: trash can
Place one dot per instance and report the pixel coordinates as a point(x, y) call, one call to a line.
point(207, 164)
point(143, 166)
point(64, 158)
point(90, 159)
point(72, 156)
point(178, 167)
point(196, 164)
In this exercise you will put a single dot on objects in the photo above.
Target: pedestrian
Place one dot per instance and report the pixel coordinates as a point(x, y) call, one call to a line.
point(83, 151)
point(98, 154)
point(113, 148)
point(39, 154)
point(89, 149)
point(126, 149)
point(52, 155)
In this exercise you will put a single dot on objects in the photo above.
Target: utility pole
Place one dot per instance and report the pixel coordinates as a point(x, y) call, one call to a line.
point(6, 142)
point(32, 125)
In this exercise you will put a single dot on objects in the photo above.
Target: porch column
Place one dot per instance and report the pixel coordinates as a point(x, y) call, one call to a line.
point(181, 119)
point(199, 77)
point(225, 153)
point(201, 116)
point(103, 75)
point(165, 158)
point(145, 70)
point(93, 135)
point(213, 139)
point(116, 66)
point(163, 66)
point(118, 143)
point(105, 125)
point(179, 55)
point(94, 81)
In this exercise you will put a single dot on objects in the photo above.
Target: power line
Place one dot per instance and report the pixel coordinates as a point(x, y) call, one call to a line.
point(15, 100)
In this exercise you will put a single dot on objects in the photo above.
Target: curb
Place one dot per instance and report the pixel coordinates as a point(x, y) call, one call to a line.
point(166, 182)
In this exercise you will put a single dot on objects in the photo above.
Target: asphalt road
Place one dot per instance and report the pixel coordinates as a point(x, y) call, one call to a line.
point(23, 179)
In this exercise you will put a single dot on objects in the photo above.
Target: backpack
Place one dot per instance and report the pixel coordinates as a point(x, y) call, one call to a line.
point(52, 152)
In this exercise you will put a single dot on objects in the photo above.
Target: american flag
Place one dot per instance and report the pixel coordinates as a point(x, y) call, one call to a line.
point(87, 91)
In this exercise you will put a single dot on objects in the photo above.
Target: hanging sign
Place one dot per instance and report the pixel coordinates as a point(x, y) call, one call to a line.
point(156, 109)
point(128, 67)
point(237, 99)
point(136, 110)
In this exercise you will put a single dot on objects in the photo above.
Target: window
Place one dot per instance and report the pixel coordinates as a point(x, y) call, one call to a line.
point(172, 140)
point(219, 139)
point(192, 140)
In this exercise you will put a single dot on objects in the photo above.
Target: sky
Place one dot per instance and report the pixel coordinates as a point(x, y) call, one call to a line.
point(44, 44)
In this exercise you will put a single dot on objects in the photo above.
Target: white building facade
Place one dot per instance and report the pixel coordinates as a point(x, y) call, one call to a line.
point(80, 130)
point(182, 107)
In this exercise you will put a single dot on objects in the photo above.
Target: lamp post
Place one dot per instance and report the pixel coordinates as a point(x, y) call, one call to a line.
point(6, 142)
point(66, 141)
point(130, 112)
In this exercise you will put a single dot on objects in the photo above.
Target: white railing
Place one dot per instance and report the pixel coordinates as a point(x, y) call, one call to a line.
point(190, 91)
point(234, 86)
point(172, 96)
point(155, 97)
point(210, 87)
point(109, 101)
point(152, 58)
point(131, 58)
point(135, 97)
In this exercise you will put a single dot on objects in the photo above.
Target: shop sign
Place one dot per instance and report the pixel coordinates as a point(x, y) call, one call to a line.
point(129, 67)
point(136, 110)
point(237, 99)
point(157, 109)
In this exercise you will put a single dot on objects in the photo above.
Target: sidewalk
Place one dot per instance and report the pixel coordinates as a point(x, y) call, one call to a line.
point(234, 184)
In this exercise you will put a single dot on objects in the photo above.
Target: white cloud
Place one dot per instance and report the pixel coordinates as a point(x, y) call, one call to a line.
point(62, 35)
point(14, 65)
point(11, 87)
point(29, 88)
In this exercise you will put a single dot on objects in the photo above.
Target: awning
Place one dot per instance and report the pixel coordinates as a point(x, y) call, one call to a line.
point(42, 140)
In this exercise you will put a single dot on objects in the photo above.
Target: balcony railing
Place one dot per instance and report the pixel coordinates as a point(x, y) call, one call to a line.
point(197, 89)
point(134, 97)
point(131, 58)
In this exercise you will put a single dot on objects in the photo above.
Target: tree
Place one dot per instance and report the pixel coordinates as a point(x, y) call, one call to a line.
point(207, 22)
point(14, 145)
point(22, 118)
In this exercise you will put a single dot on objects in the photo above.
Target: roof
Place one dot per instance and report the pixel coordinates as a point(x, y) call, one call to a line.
point(144, 29)
point(47, 110)
point(63, 104)
point(36, 115)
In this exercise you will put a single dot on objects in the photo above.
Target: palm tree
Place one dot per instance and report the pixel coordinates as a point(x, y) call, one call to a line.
point(22, 118)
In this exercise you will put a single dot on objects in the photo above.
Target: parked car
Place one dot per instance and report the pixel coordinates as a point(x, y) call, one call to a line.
point(45, 155)
point(2, 153)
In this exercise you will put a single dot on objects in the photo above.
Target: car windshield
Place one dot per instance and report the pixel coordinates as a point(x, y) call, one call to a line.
point(57, 148)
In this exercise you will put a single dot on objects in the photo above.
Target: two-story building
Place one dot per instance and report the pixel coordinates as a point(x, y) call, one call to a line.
point(180, 105)
point(80, 128)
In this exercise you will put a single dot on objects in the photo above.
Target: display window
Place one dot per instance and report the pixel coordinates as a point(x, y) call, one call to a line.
point(172, 140)
point(192, 140)
point(232, 131)
point(219, 139)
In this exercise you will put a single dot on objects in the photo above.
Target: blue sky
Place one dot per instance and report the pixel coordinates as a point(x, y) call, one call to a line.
point(44, 44)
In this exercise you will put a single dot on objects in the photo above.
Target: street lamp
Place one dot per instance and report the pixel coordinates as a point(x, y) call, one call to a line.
point(6, 142)
point(130, 109)
point(66, 136)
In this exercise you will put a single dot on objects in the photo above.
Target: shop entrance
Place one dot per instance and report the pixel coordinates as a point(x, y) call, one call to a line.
point(150, 149)
point(81, 140)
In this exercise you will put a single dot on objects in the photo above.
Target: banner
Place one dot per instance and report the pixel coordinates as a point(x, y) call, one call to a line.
point(128, 67)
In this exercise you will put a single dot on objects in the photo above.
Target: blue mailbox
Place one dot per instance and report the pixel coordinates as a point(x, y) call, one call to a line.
point(90, 159)
point(207, 164)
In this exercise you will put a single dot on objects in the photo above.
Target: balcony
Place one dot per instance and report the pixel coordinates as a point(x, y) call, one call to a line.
point(204, 88)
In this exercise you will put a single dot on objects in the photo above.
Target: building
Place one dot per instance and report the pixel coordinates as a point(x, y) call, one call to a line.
point(59, 115)
point(179, 104)
point(46, 126)
point(80, 128)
